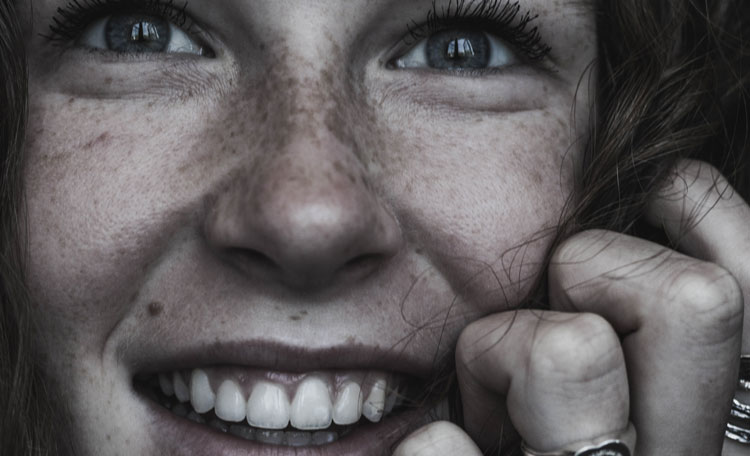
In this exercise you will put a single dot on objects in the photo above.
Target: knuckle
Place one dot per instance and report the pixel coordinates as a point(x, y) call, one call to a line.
point(696, 175)
point(439, 437)
point(583, 349)
point(709, 297)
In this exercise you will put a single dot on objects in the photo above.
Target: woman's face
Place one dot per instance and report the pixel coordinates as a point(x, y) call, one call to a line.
point(297, 198)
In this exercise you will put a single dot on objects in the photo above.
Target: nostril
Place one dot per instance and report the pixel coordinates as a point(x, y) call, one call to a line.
point(247, 258)
point(367, 262)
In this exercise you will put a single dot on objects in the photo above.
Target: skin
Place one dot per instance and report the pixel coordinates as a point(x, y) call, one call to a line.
point(298, 190)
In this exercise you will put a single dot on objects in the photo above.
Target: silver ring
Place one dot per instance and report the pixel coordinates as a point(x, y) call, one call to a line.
point(738, 426)
point(623, 445)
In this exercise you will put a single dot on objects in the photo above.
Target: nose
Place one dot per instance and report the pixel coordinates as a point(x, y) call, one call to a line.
point(305, 217)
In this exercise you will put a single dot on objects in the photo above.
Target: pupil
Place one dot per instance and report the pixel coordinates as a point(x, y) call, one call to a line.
point(458, 50)
point(137, 33)
point(144, 31)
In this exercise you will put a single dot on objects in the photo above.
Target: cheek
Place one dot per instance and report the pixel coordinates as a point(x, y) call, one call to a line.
point(100, 206)
point(110, 194)
point(483, 197)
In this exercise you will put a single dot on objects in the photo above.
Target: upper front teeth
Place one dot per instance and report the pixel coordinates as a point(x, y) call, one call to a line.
point(375, 403)
point(348, 407)
point(268, 405)
point(311, 408)
point(230, 404)
point(201, 395)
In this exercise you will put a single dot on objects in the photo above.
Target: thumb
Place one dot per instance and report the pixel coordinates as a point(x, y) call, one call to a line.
point(438, 439)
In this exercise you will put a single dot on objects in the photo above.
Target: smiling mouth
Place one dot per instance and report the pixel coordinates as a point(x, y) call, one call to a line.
point(283, 409)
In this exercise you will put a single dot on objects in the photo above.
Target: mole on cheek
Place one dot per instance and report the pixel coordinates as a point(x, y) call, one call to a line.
point(155, 308)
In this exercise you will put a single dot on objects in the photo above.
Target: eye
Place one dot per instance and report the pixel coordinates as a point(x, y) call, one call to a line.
point(457, 50)
point(139, 33)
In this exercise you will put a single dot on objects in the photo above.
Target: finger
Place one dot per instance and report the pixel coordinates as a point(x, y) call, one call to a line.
point(560, 378)
point(680, 319)
point(709, 220)
point(438, 439)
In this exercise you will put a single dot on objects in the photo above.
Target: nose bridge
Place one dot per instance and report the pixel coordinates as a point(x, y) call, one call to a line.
point(310, 171)
point(306, 207)
point(313, 160)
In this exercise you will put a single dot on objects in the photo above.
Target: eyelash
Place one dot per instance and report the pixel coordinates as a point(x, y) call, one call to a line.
point(70, 21)
point(499, 17)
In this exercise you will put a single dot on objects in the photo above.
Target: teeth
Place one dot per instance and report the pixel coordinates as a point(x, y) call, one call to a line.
point(375, 403)
point(201, 396)
point(268, 407)
point(348, 408)
point(218, 424)
point(180, 388)
point(244, 432)
point(311, 408)
point(323, 437)
point(271, 437)
point(192, 416)
point(166, 385)
point(230, 404)
point(269, 411)
point(298, 438)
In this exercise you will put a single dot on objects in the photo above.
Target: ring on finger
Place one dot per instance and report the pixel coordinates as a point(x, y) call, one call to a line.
point(738, 426)
point(622, 445)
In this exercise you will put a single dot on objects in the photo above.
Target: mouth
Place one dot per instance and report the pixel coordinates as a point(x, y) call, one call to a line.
point(329, 412)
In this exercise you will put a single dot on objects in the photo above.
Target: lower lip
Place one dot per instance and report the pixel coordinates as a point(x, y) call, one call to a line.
point(175, 435)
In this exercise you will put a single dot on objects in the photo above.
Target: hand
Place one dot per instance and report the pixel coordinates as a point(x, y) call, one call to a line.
point(636, 332)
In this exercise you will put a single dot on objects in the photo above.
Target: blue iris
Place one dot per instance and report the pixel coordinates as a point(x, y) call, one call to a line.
point(458, 49)
point(136, 33)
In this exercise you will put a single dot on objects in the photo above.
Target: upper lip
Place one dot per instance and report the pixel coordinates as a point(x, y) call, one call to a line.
point(278, 356)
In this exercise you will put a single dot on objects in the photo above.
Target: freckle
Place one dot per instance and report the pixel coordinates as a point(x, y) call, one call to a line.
point(295, 317)
point(71, 100)
point(304, 312)
point(338, 166)
point(108, 80)
point(155, 308)
point(103, 138)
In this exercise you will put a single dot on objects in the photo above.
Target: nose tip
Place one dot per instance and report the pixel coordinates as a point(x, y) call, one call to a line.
point(305, 221)
point(337, 237)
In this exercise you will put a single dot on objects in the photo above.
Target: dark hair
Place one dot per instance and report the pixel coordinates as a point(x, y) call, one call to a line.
point(20, 383)
point(672, 82)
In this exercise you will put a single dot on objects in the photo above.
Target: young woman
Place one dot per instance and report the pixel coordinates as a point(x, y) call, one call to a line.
point(373, 227)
